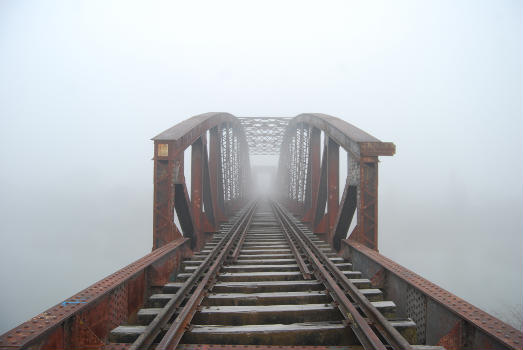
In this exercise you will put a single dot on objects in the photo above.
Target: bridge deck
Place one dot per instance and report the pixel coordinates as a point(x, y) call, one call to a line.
point(263, 296)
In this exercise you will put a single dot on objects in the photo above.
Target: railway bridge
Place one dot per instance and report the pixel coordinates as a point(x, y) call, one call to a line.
point(295, 266)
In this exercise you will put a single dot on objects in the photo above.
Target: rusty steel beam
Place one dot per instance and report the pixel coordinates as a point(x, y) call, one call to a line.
point(181, 199)
point(197, 188)
point(367, 232)
point(208, 194)
point(185, 133)
point(314, 172)
point(351, 138)
point(345, 214)
point(182, 205)
point(84, 320)
point(163, 215)
point(322, 193)
point(333, 180)
point(443, 318)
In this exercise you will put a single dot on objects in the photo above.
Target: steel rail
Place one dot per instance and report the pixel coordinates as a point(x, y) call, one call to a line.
point(239, 246)
point(146, 339)
point(391, 335)
point(175, 332)
point(358, 324)
point(297, 255)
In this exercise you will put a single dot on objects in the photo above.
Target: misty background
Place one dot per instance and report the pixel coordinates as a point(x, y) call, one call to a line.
point(84, 85)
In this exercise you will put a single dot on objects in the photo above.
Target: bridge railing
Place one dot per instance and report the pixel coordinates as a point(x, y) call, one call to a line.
point(219, 180)
point(309, 181)
point(84, 320)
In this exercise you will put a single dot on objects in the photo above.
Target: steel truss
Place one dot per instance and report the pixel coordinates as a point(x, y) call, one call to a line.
point(264, 135)
point(219, 176)
point(310, 181)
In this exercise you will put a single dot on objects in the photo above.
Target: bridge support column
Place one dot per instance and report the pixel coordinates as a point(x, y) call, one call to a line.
point(318, 223)
point(367, 232)
point(197, 155)
point(164, 229)
point(328, 190)
point(333, 180)
point(313, 174)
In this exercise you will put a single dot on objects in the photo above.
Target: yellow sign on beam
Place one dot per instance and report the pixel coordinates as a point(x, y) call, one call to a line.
point(163, 150)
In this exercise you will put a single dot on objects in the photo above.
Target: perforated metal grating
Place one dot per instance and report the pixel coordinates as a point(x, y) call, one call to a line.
point(264, 135)
point(417, 310)
point(118, 305)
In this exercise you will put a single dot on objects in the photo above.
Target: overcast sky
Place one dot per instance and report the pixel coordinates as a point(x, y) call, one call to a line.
point(84, 85)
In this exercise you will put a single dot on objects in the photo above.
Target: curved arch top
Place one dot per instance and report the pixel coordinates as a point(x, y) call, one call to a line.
point(346, 135)
point(195, 125)
point(183, 134)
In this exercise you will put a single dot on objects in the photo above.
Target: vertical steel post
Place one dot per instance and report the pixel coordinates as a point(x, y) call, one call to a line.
point(314, 172)
point(368, 202)
point(319, 211)
point(164, 229)
point(333, 179)
point(197, 187)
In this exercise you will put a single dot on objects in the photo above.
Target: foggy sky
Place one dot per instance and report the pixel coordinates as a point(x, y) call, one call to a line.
point(84, 85)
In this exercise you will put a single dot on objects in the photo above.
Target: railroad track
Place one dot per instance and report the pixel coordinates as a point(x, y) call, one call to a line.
point(265, 279)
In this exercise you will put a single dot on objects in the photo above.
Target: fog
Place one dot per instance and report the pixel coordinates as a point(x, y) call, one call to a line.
point(84, 85)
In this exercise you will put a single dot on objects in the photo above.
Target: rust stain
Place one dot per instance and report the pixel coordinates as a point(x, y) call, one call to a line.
point(452, 340)
point(378, 280)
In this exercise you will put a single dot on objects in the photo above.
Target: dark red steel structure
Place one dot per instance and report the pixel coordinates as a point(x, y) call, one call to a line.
point(312, 186)
point(219, 175)
point(307, 182)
